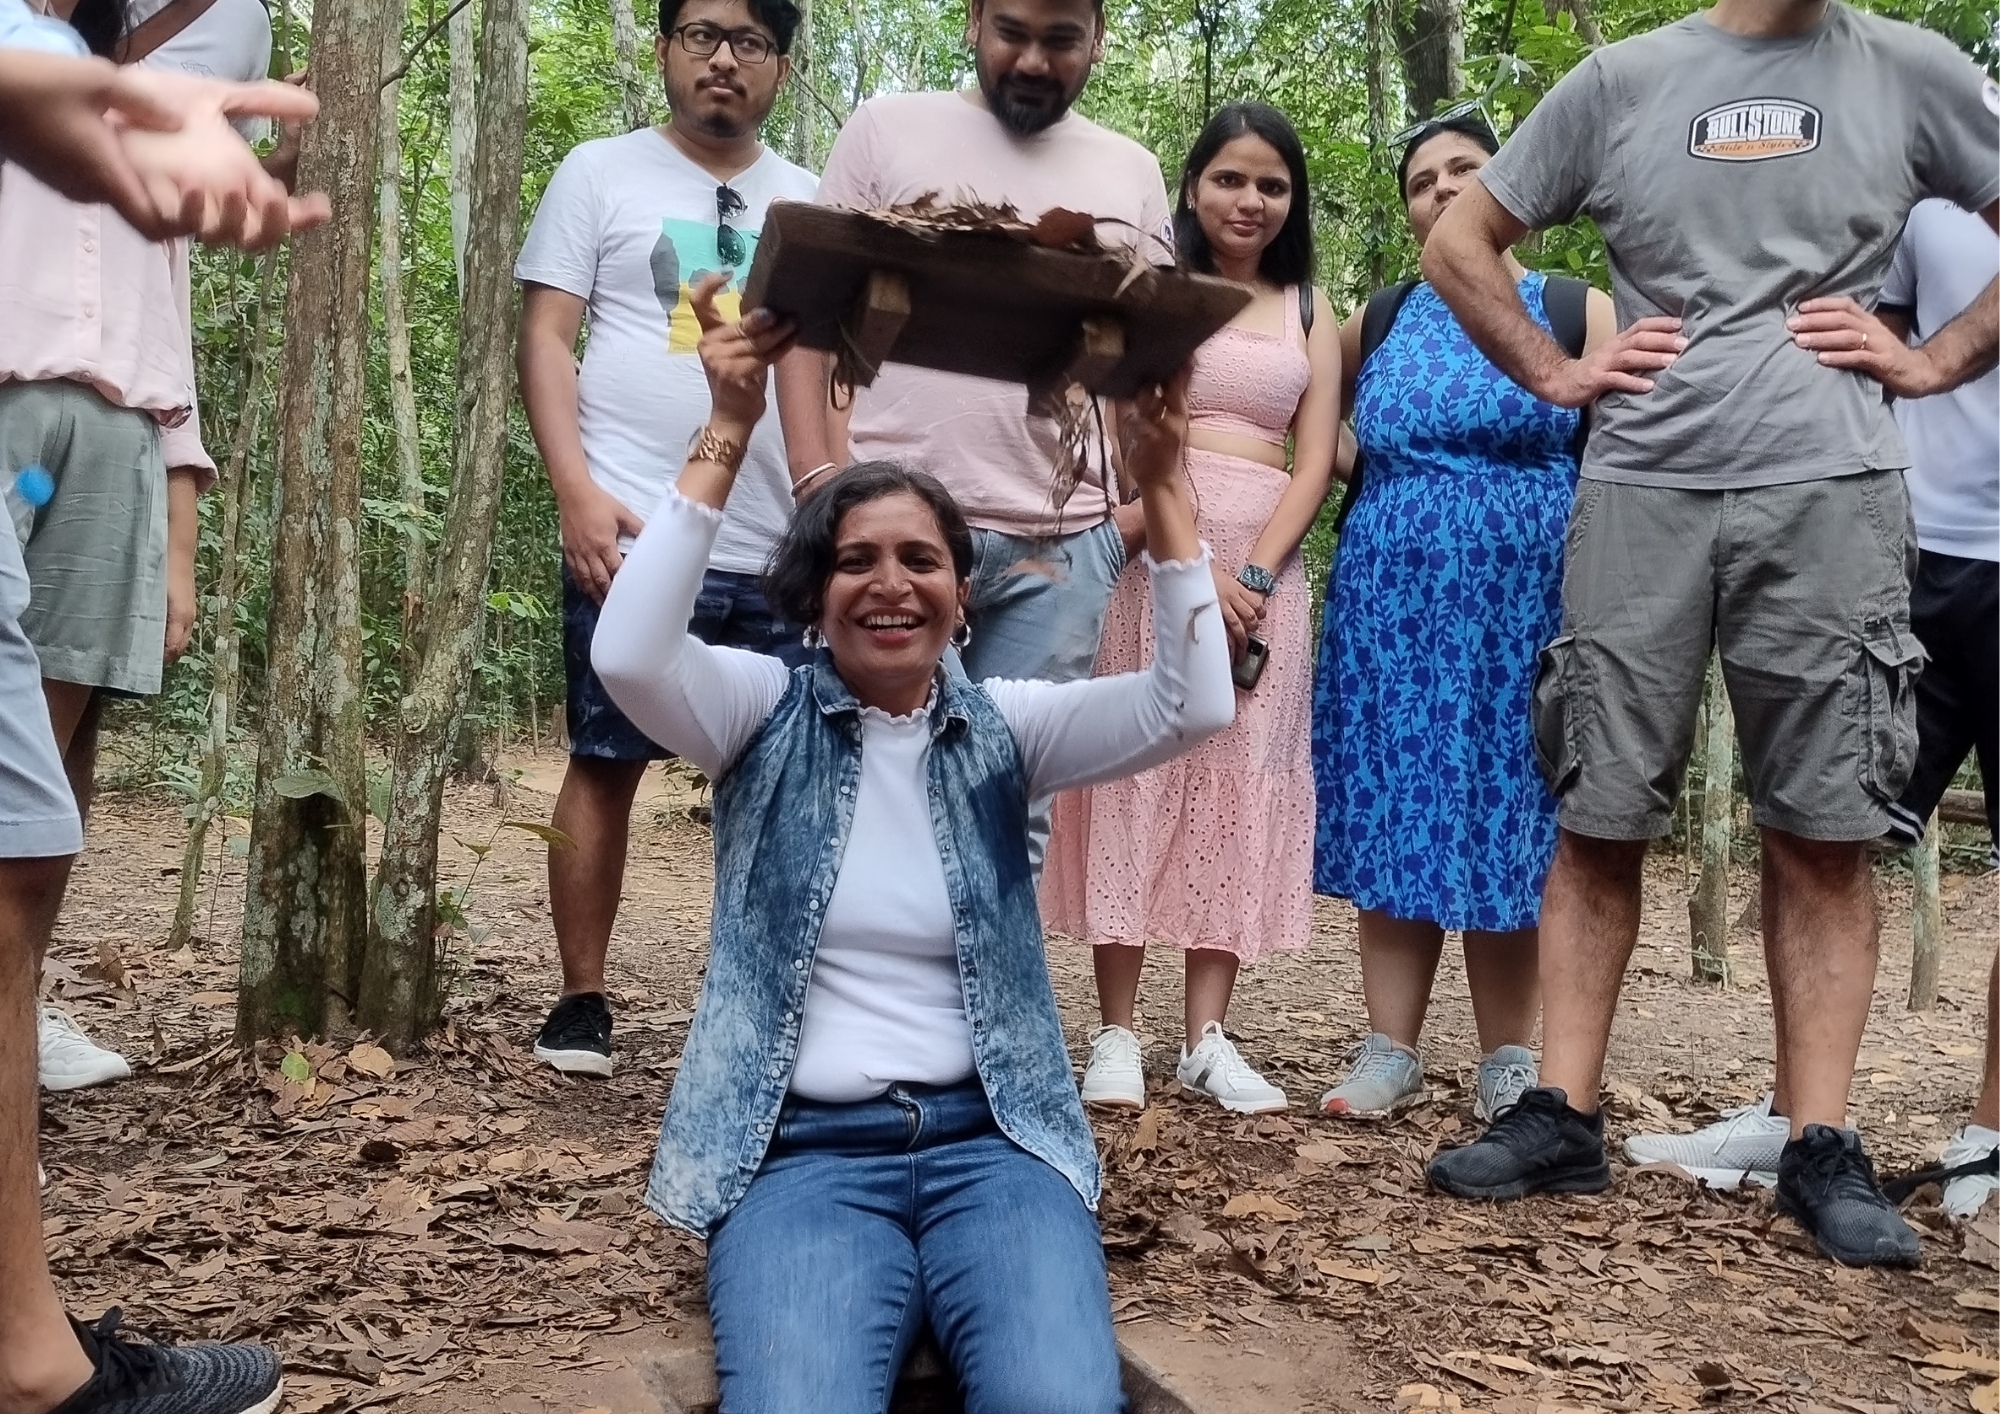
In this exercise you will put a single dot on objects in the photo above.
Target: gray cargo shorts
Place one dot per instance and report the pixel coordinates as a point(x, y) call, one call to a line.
point(97, 551)
point(1804, 588)
point(38, 818)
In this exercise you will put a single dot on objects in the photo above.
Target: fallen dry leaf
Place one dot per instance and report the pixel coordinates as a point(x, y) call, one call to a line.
point(372, 1061)
point(1261, 1205)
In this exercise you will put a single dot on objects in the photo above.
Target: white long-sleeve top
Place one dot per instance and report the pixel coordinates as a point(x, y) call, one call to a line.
point(885, 1002)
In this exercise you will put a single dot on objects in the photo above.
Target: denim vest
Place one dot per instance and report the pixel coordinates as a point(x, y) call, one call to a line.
point(782, 817)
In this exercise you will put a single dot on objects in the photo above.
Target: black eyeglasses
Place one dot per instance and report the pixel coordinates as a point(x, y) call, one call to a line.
point(1452, 114)
point(728, 240)
point(750, 46)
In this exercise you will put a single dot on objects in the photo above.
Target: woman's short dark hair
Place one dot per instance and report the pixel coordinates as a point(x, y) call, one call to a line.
point(802, 561)
point(1288, 259)
point(1469, 125)
point(781, 17)
point(101, 23)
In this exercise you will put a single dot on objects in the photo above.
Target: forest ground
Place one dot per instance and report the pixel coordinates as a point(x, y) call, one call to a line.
point(462, 1232)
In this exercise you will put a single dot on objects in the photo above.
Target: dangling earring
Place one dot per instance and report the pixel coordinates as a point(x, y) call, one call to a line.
point(813, 638)
point(961, 637)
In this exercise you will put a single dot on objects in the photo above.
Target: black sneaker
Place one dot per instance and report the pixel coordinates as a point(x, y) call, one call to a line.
point(1538, 1144)
point(1827, 1186)
point(127, 1378)
point(576, 1039)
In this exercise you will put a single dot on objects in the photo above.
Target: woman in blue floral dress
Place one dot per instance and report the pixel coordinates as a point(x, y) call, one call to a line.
point(1431, 815)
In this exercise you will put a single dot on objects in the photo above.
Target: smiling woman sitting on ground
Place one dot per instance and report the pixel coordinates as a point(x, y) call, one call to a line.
point(874, 1122)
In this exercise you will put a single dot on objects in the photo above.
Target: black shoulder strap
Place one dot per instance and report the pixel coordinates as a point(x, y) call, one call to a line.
point(1305, 307)
point(1378, 316)
point(1566, 301)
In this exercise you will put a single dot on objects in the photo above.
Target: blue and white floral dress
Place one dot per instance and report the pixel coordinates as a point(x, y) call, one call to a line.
point(1447, 582)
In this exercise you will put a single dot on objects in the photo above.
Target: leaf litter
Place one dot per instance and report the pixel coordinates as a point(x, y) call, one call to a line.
point(458, 1228)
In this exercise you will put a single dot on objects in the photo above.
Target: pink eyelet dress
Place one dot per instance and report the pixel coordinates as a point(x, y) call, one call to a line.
point(1214, 848)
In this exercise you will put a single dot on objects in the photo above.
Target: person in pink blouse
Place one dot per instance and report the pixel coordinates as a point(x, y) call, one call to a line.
point(96, 387)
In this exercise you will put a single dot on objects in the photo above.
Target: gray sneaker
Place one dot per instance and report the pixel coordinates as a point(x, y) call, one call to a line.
point(1382, 1079)
point(1504, 1077)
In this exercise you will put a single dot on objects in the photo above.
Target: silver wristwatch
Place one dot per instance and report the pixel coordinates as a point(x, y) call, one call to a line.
point(1257, 580)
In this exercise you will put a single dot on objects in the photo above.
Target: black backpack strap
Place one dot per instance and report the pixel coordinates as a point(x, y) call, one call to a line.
point(1565, 299)
point(1378, 317)
point(1305, 306)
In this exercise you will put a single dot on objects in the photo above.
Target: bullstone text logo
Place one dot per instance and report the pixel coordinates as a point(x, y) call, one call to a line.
point(1755, 130)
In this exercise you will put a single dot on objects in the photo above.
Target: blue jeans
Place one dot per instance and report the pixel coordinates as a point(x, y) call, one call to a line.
point(1036, 611)
point(730, 612)
point(868, 1220)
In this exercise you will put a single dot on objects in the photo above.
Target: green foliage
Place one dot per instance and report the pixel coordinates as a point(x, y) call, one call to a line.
point(1166, 63)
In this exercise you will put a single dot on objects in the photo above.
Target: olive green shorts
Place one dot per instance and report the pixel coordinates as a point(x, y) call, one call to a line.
point(1804, 589)
point(96, 553)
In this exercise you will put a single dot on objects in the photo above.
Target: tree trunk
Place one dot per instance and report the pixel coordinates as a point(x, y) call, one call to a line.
point(1579, 11)
point(625, 48)
point(1708, 909)
point(1431, 35)
point(1926, 920)
point(399, 1000)
point(224, 659)
point(1379, 41)
point(305, 900)
point(804, 71)
point(464, 118)
point(396, 335)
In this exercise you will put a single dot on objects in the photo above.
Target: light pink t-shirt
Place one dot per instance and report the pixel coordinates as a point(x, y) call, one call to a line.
point(974, 434)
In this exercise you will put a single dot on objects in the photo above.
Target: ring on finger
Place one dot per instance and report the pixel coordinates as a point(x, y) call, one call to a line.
point(1864, 338)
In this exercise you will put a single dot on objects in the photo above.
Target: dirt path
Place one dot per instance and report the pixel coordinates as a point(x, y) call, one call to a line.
point(463, 1233)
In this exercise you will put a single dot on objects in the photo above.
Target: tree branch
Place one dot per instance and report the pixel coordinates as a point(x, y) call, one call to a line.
point(431, 32)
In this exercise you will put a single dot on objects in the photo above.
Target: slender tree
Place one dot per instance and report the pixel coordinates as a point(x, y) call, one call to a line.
point(400, 974)
point(464, 119)
point(305, 900)
point(625, 48)
point(396, 337)
point(1431, 36)
point(225, 655)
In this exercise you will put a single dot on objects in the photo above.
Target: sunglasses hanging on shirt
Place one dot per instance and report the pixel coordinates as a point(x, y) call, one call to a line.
point(729, 203)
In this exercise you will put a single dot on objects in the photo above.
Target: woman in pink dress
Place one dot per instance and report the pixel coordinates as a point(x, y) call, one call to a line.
point(1212, 853)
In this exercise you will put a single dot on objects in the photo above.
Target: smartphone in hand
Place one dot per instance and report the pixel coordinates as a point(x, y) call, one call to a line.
point(1249, 665)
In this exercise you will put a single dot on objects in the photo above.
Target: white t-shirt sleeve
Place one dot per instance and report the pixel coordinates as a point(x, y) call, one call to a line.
point(1899, 286)
point(701, 703)
point(1075, 734)
point(568, 230)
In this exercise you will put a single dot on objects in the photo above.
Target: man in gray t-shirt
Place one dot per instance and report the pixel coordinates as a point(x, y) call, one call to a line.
point(1750, 167)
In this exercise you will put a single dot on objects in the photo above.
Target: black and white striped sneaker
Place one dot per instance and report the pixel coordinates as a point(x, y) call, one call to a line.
point(205, 1378)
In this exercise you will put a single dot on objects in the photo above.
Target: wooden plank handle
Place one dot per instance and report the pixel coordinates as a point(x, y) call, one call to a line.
point(880, 312)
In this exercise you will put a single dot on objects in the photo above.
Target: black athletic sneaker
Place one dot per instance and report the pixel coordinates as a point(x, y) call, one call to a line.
point(172, 1379)
point(1538, 1144)
point(576, 1039)
point(1827, 1186)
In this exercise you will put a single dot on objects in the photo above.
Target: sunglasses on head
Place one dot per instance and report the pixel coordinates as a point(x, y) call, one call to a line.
point(728, 240)
point(1470, 108)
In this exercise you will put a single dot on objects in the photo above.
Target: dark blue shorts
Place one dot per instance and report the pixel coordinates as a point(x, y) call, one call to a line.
point(730, 612)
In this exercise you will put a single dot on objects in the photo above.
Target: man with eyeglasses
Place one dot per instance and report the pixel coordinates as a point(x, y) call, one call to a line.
point(1043, 574)
point(1742, 492)
point(627, 227)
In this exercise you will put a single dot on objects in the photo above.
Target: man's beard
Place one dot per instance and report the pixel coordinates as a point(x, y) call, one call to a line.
point(1045, 109)
point(715, 123)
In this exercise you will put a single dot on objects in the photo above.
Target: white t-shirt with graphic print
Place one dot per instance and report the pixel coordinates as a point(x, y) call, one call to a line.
point(627, 225)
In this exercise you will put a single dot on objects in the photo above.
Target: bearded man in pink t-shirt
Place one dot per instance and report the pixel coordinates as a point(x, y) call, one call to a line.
point(1043, 574)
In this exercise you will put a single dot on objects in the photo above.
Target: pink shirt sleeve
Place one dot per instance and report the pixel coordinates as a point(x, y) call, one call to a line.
point(850, 175)
point(180, 443)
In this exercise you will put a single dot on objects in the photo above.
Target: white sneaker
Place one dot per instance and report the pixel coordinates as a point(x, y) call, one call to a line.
point(70, 1060)
point(1213, 1068)
point(1504, 1077)
point(1744, 1144)
point(1115, 1076)
point(1966, 1195)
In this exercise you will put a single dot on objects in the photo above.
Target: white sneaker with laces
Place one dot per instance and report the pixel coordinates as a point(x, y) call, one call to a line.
point(1116, 1075)
point(1744, 1144)
point(1215, 1069)
point(1504, 1077)
point(68, 1059)
point(1966, 1195)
